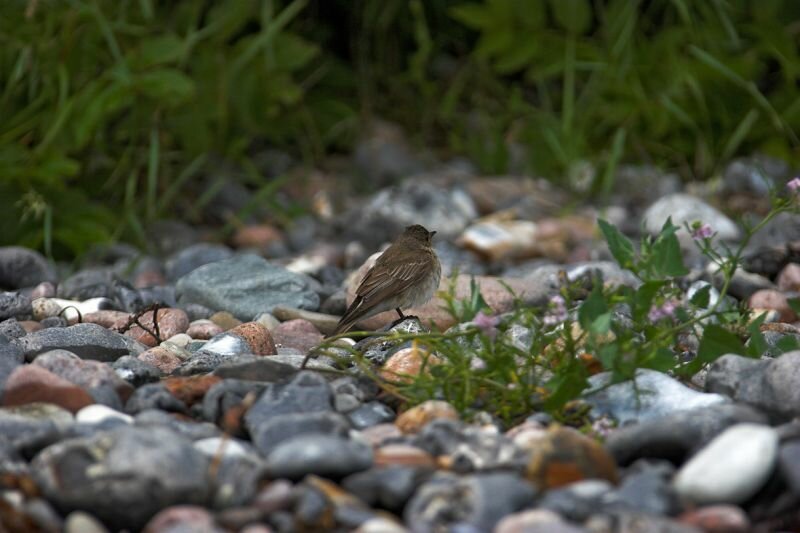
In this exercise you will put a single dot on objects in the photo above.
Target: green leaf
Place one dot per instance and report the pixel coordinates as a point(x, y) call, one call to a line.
point(169, 87)
point(794, 303)
point(666, 259)
point(159, 50)
point(607, 354)
point(473, 16)
point(592, 308)
point(566, 386)
point(702, 297)
point(601, 324)
point(643, 298)
point(716, 341)
point(788, 343)
point(662, 360)
point(620, 246)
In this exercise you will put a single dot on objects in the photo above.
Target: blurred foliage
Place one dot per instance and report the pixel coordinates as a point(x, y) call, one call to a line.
point(113, 110)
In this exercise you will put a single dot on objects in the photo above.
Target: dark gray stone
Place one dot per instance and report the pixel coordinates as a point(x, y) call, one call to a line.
point(14, 304)
point(647, 487)
point(189, 429)
point(322, 455)
point(370, 414)
point(87, 341)
point(306, 393)
point(255, 368)
point(237, 481)
point(21, 267)
point(675, 437)
point(225, 395)
point(54, 322)
point(480, 500)
point(135, 371)
point(246, 285)
point(772, 386)
point(123, 476)
point(270, 434)
point(88, 283)
point(12, 329)
point(154, 396)
point(192, 257)
point(388, 487)
point(789, 465)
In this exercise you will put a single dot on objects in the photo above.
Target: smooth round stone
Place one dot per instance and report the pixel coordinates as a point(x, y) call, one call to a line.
point(323, 455)
point(565, 456)
point(380, 525)
point(183, 518)
point(21, 267)
point(731, 468)
point(299, 334)
point(268, 320)
point(97, 413)
point(403, 455)
point(220, 447)
point(31, 383)
point(181, 340)
point(164, 359)
point(203, 329)
point(718, 519)
point(370, 414)
point(418, 416)
point(80, 522)
point(535, 521)
point(686, 208)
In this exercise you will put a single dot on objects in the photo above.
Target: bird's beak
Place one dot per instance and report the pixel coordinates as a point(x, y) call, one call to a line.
point(433, 233)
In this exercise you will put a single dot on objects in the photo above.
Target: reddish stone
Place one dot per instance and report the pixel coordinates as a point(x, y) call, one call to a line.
point(30, 325)
point(170, 322)
point(257, 236)
point(107, 318)
point(85, 373)
point(257, 336)
point(149, 278)
point(718, 519)
point(417, 417)
point(564, 456)
point(191, 389)
point(203, 329)
point(161, 358)
point(404, 365)
point(380, 433)
point(182, 518)
point(32, 383)
point(299, 334)
point(773, 299)
point(789, 278)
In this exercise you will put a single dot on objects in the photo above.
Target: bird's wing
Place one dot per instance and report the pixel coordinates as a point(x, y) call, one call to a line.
point(384, 281)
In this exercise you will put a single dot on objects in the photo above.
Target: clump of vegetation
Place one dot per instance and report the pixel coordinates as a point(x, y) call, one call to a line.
point(618, 329)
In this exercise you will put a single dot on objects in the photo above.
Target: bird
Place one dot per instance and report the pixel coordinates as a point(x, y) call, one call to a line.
point(406, 275)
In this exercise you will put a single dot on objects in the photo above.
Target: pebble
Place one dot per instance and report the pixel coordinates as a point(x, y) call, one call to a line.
point(319, 454)
point(122, 476)
point(413, 420)
point(769, 385)
point(194, 256)
point(407, 363)
point(21, 267)
point(87, 341)
point(325, 323)
point(246, 285)
point(30, 383)
point(203, 329)
point(718, 519)
point(655, 394)
point(564, 456)
point(731, 468)
point(13, 304)
point(170, 323)
point(297, 333)
point(96, 414)
point(684, 208)
point(161, 358)
point(772, 299)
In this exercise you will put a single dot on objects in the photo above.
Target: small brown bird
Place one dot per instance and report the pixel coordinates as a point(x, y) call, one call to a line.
point(406, 275)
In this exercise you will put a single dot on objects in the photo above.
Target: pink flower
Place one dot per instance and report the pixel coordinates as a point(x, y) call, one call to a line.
point(794, 184)
point(486, 323)
point(702, 231)
point(557, 312)
point(665, 310)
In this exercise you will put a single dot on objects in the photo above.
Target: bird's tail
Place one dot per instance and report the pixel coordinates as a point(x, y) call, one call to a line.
point(350, 317)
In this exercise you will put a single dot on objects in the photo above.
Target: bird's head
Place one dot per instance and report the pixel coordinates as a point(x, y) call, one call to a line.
point(419, 233)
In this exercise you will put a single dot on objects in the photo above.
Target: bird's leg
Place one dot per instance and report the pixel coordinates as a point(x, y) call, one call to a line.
point(400, 313)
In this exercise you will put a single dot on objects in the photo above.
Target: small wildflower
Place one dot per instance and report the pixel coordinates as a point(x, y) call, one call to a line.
point(603, 427)
point(486, 323)
point(557, 312)
point(702, 231)
point(665, 310)
point(476, 363)
point(794, 185)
